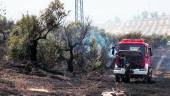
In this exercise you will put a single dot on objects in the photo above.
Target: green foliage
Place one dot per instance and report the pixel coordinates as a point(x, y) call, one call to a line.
point(132, 35)
point(31, 29)
point(53, 16)
point(5, 28)
point(48, 53)
point(154, 40)
point(6, 25)
point(94, 56)
point(18, 38)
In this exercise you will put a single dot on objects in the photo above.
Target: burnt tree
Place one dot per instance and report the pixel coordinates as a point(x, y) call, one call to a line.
point(73, 36)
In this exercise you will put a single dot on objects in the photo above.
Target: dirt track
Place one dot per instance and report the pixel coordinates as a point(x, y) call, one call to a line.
point(17, 84)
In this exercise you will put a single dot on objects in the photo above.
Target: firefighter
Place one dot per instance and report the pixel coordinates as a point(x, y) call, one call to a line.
point(126, 65)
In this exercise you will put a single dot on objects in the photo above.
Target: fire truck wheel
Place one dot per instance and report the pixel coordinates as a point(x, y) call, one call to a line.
point(117, 77)
point(126, 79)
point(149, 75)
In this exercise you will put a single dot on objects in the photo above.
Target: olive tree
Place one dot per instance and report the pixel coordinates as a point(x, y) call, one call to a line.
point(36, 28)
point(72, 36)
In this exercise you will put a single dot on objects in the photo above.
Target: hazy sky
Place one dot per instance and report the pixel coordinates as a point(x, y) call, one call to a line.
point(99, 11)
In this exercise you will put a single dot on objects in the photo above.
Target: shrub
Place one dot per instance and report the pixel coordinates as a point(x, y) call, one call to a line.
point(17, 45)
point(47, 53)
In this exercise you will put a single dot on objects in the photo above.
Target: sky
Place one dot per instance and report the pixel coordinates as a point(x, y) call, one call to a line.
point(99, 11)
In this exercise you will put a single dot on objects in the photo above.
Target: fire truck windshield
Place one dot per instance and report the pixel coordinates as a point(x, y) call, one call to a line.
point(132, 47)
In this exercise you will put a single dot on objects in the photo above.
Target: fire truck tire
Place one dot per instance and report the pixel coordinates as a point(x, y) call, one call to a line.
point(126, 79)
point(149, 76)
point(118, 78)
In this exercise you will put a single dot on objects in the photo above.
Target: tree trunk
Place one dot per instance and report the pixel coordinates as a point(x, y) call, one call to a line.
point(70, 61)
point(4, 36)
point(33, 50)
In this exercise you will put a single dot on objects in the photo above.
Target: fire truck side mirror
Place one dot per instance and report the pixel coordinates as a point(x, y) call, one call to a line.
point(150, 51)
point(113, 50)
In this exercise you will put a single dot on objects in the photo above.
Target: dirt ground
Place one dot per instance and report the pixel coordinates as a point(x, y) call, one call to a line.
point(13, 83)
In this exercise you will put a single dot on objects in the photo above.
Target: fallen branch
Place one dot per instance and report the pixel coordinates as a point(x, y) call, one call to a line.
point(59, 77)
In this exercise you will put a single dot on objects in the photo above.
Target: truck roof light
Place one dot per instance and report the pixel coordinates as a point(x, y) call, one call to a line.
point(133, 40)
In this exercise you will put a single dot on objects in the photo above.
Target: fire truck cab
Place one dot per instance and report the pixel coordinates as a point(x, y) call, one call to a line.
point(133, 60)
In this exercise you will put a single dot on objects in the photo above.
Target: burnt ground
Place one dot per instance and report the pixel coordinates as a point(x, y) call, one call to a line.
point(14, 83)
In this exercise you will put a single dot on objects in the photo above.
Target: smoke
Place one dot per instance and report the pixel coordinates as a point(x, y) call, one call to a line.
point(161, 59)
point(160, 62)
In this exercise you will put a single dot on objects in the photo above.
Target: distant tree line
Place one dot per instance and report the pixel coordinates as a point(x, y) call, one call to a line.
point(155, 40)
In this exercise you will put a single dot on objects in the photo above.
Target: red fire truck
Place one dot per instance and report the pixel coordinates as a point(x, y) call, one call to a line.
point(133, 60)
